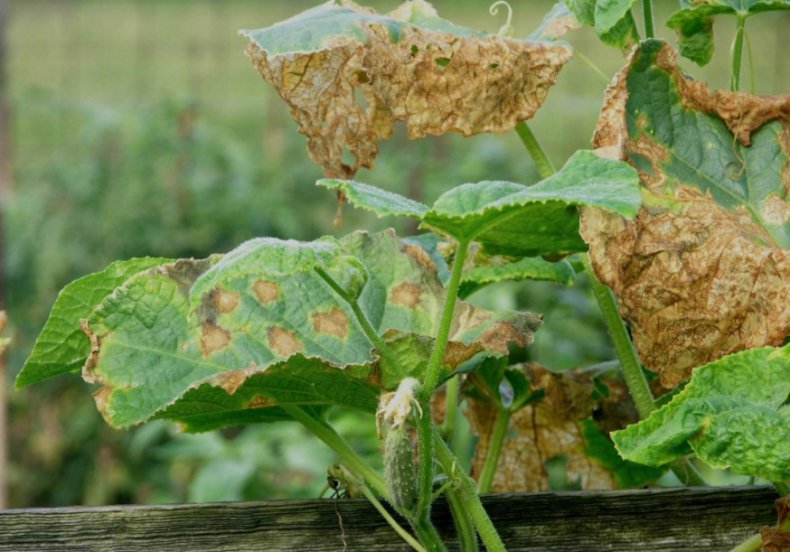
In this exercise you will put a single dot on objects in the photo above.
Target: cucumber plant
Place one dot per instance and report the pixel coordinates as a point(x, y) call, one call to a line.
point(680, 215)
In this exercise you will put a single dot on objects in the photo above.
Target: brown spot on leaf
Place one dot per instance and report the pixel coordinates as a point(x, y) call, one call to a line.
point(405, 294)
point(184, 272)
point(230, 381)
point(502, 335)
point(482, 84)
point(776, 211)
point(418, 254)
point(93, 355)
point(283, 342)
point(212, 338)
point(266, 291)
point(259, 401)
point(224, 301)
point(334, 322)
point(102, 396)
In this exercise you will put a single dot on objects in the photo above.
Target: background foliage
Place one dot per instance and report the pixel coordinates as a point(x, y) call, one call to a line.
point(140, 129)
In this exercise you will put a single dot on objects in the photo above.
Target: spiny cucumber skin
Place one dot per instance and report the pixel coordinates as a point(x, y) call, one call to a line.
point(399, 470)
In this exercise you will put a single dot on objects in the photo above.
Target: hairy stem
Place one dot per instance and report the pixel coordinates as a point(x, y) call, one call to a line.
point(405, 535)
point(425, 427)
point(348, 457)
point(445, 321)
point(428, 535)
point(464, 528)
point(737, 52)
point(542, 161)
point(496, 439)
point(467, 493)
point(450, 407)
point(425, 464)
point(626, 354)
point(629, 362)
point(647, 13)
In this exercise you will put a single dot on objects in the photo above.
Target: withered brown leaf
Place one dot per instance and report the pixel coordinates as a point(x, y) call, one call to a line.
point(360, 72)
point(549, 428)
point(704, 269)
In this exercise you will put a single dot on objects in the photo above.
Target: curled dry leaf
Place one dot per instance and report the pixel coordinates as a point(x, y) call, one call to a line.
point(554, 426)
point(348, 74)
point(704, 269)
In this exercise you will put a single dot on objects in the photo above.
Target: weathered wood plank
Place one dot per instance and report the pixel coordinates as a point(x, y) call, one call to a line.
point(663, 520)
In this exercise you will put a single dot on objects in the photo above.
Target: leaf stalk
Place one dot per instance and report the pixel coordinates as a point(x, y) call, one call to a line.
point(348, 457)
point(538, 154)
point(737, 53)
point(647, 14)
point(629, 361)
point(467, 492)
point(496, 440)
point(425, 428)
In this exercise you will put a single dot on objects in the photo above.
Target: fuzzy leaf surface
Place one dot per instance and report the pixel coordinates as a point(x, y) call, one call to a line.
point(733, 413)
point(228, 339)
point(61, 346)
point(513, 219)
point(694, 22)
point(706, 159)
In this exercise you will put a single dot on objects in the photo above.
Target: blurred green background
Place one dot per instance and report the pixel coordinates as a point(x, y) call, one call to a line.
point(138, 127)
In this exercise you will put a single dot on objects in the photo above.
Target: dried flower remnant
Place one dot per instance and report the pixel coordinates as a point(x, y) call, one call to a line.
point(704, 269)
point(348, 74)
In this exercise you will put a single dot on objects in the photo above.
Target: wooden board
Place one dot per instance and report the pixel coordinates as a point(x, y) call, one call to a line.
point(644, 520)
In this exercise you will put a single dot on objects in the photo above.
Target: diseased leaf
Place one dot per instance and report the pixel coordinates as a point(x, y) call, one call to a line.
point(555, 24)
point(734, 413)
point(348, 74)
point(707, 160)
point(497, 269)
point(62, 347)
point(611, 19)
point(513, 219)
point(558, 425)
point(694, 22)
point(227, 340)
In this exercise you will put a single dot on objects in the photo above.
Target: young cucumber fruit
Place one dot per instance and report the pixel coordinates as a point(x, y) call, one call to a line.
point(399, 470)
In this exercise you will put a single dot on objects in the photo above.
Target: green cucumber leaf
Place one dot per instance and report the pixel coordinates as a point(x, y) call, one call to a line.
point(229, 339)
point(347, 74)
point(626, 474)
point(513, 219)
point(612, 20)
point(694, 22)
point(529, 268)
point(708, 159)
point(734, 413)
point(61, 346)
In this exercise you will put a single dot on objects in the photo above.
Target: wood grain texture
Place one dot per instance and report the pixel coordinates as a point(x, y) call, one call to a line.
point(663, 520)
